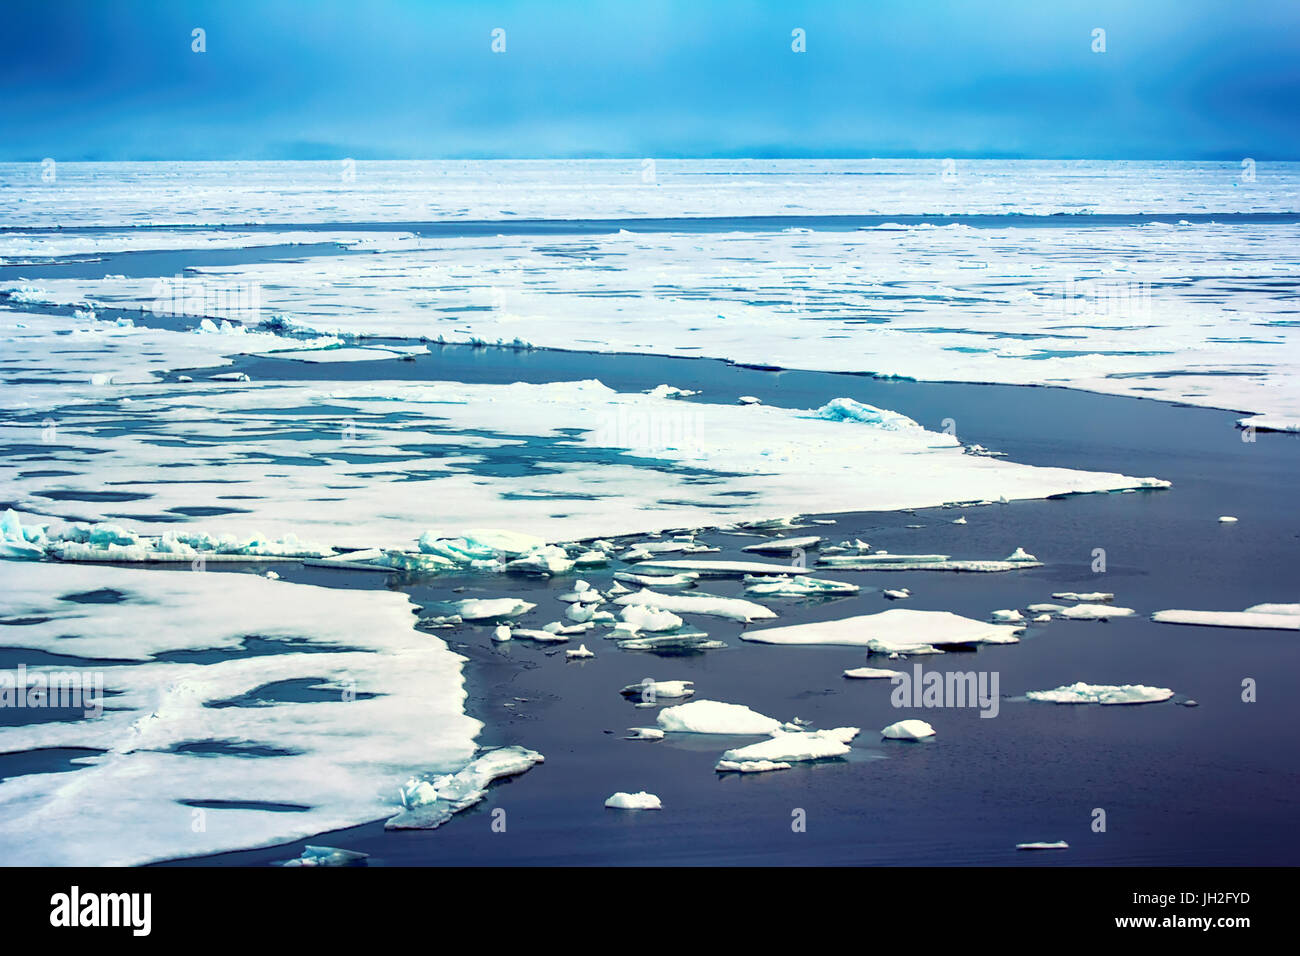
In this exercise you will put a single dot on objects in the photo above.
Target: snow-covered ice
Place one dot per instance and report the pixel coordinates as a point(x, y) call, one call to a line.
point(1081, 693)
point(898, 629)
point(715, 717)
point(634, 801)
point(908, 730)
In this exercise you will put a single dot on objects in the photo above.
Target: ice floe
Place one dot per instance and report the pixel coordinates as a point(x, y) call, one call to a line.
point(328, 856)
point(735, 609)
point(872, 673)
point(898, 630)
point(908, 730)
point(1081, 693)
point(650, 689)
point(634, 801)
point(1282, 617)
point(188, 701)
point(797, 586)
point(715, 717)
point(792, 746)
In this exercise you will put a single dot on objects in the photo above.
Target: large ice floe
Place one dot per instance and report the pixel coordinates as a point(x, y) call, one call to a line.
point(1281, 617)
point(898, 630)
point(240, 711)
point(378, 464)
point(715, 717)
point(1081, 693)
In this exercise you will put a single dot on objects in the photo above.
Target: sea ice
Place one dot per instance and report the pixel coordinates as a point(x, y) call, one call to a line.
point(1251, 617)
point(1081, 693)
point(793, 746)
point(634, 801)
point(898, 629)
point(872, 673)
point(430, 802)
point(734, 609)
point(908, 730)
point(798, 586)
point(714, 717)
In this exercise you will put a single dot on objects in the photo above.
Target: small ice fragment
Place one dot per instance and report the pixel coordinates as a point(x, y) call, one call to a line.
point(1226, 519)
point(1095, 612)
point(788, 746)
point(1020, 554)
point(961, 520)
point(580, 652)
point(1007, 615)
point(1092, 597)
point(908, 730)
point(650, 689)
point(634, 801)
point(272, 575)
point(328, 856)
point(501, 634)
point(1042, 618)
point(644, 733)
point(750, 766)
point(1058, 845)
point(748, 400)
point(871, 673)
point(897, 594)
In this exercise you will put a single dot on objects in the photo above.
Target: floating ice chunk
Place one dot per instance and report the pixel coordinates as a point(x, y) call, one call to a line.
point(641, 617)
point(793, 746)
point(579, 653)
point(1020, 554)
point(1267, 620)
point(1045, 608)
point(908, 730)
point(1095, 612)
point(735, 609)
point(1041, 618)
point(328, 856)
point(429, 803)
point(684, 579)
point(653, 689)
point(872, 673)
point(961, 520)
point(1007, 615)
point(748, 400)
point(582, 593)
point(897, 594)
point(634, 801)
point(715, 717)
point(1227, 519)
point(1058, 845)
point(1081, 693)
point(482, 609)
point(716, 569)
point(682, 641)
point(644, 733)
point(1092, 597)
point(545, 637)
point(798, 586)
point(750, 766)
point(898, 629)
point(501, 634)
point(784, 545)
point(883, 557)
point(848, 410)
point(670, 391)
point(25, 544)
point(546, 560)
point(230, 377)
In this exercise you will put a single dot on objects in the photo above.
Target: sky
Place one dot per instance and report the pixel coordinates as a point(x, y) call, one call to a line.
point(402, 79)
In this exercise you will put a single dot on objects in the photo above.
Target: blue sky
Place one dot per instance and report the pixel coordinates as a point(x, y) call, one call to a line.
point(630, 78)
